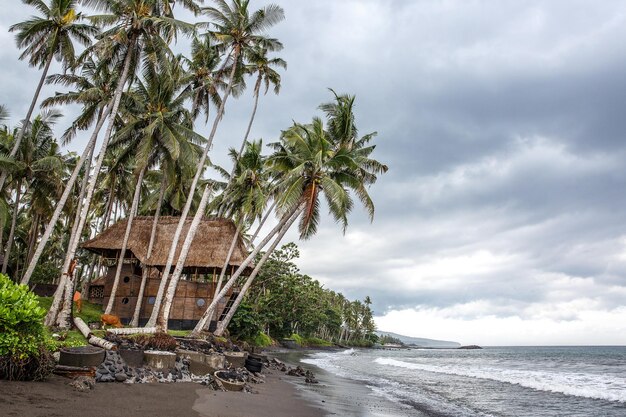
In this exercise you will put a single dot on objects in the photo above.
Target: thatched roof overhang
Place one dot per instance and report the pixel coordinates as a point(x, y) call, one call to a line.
point(208, 251)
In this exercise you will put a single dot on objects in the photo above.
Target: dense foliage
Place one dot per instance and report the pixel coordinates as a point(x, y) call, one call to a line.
point(23, 350)
point(283, 302)
point(143, 101)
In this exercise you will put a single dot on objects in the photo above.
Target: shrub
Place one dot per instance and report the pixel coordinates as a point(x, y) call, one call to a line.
point(262, 340)
point(316, 342)
point(23, 343)
point(297, 338)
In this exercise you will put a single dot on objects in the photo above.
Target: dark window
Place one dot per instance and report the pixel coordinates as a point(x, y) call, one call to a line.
point(126, 280)
point(125, 300)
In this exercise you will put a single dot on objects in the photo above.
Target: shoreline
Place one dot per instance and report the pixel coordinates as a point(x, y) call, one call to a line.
point(342, 396)
point(279, 396)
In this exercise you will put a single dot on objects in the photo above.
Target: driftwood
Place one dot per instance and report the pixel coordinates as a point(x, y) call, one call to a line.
point(74, 371)
point(134, 330)
point(93, 340)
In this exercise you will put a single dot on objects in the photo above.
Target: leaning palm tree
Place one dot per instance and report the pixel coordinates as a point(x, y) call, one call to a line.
point(138, 28)
point(45, 38)
point(236, 30)
point(263, 66)
point(260, 64)
point(314, 161)
point(246, 195)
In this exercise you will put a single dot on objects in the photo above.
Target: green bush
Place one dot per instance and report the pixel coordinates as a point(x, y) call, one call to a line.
point(262, 340)
point(316, 342)
point(297, 338)
point(23, 343)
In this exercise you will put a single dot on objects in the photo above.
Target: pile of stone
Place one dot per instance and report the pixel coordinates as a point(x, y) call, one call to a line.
point(114, 369)
point(309, 377)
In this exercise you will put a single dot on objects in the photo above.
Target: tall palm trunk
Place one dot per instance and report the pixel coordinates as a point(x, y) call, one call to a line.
point(129, 225)
point(16, 209)
point(144, 276)
point(33, 237)
point(257, 88)
point(227, 261)
point(26, 121)
point(192, 189)
point(87, 155)
point(53, 312)
point(221, 326)
point(263, 220)
point(211, 308)
point(68, 290)
point(180, 263)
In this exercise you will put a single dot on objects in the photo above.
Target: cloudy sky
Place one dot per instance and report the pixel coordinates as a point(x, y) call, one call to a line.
point(502, 219)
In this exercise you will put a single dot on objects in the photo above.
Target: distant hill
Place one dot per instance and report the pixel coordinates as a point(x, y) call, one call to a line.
point(419, 341)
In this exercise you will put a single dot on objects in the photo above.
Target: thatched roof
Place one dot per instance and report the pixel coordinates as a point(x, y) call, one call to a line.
point(208, 250)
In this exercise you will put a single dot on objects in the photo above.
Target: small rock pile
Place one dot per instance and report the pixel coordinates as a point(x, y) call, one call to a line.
point(114, 369)
point(309, 377)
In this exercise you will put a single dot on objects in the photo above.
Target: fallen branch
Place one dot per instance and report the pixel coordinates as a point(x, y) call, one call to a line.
point(134, 330)
point(93, 340)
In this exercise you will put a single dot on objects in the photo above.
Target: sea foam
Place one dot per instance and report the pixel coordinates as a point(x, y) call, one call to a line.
point(587, 385)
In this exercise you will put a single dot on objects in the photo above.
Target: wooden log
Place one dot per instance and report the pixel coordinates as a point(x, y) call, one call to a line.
point(93, 340)
point(82, 327)
point(105, 344)
point(74, 371)
point(134, 330)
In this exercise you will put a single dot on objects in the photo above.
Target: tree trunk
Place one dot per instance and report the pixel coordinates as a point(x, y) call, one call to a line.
point(257, 88)
point(53, 312)
point(227, 261)
point(135, 321)
point(16, 209)
point(70, 282)
point(61, 204)
point(33, 237)
point(192, 189)
point(224, 323)
point(129, 225)
point(209, 311)
point(263, 220)
point(20, 135)
point(180, 263)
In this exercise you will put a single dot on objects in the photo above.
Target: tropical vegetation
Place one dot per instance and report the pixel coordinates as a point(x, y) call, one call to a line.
point(146, 106)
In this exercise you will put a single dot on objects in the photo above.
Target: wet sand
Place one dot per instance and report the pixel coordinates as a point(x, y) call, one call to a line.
point(342, 396)
point(55, 398)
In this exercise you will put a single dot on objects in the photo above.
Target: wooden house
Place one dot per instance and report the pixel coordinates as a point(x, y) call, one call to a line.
point(197, 285)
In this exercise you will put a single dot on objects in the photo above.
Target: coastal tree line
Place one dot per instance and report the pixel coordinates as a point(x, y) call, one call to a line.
point(283, 302)
point(144, 106)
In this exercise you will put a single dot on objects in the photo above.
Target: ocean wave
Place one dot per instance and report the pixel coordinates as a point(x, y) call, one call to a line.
point(586, 385)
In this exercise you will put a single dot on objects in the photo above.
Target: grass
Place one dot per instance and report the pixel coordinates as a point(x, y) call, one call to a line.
point(89, 313)
point(179, 333)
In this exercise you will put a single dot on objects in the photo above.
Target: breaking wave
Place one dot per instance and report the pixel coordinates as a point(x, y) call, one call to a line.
point(587, 385)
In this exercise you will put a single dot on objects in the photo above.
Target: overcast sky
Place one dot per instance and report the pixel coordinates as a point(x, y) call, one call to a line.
point(502, 219)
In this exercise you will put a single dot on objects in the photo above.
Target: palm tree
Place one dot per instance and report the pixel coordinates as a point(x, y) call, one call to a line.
point(138, 27)
point(313, 161)
point(158, 126)
point(94, 90)
point(259, 63)
point(236, 31)
point(205, 81)
point(38, 165)
point(45, 38)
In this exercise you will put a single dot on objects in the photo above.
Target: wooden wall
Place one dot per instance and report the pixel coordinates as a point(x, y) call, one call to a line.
point(186, 305)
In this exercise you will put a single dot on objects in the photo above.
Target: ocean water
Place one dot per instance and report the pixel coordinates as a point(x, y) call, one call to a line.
point(507, 381)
